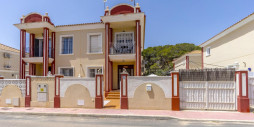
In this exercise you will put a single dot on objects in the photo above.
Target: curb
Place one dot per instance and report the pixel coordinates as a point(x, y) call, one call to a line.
point(92, 115)
point(122, 116)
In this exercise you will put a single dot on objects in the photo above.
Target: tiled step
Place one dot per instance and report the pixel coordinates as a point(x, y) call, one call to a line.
point(113, 95)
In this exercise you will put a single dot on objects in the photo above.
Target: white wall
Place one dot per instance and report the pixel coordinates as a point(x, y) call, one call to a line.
point(164, 82)
point(89, 83)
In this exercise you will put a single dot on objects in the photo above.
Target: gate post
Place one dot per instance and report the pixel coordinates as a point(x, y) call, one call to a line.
point(175, 91)
point(57, 91)
point(1, 77)
point(124, 89)
point(242, 93)
point(98, 91)
point(28, 91)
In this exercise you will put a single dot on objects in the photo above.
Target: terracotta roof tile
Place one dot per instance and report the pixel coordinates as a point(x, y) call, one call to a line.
point(79, 24)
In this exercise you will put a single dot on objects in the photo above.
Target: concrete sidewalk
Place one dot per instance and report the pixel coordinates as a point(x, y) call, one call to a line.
point(156, 114)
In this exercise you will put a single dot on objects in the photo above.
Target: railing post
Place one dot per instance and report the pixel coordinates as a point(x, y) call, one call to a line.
point(175, 91)
point(124, 89)
point(1, 77)
point(57, 91)
point(98, 91)
point(28, 91)
point(242, 93)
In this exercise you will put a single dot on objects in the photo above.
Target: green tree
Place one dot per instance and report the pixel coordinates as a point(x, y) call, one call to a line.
point(158, 60)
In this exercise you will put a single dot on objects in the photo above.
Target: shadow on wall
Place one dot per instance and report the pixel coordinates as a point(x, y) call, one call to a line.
point(77, 96)
point(11, 96)
point(151, 93)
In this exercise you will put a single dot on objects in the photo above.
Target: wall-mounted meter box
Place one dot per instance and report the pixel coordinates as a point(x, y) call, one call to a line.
point(42, 88)
point(42, 92)
point(148, 87)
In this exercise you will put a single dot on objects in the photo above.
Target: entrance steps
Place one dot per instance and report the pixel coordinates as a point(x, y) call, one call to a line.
point(113, 95)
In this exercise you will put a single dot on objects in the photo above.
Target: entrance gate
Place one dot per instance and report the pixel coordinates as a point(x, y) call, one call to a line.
point(211, 89)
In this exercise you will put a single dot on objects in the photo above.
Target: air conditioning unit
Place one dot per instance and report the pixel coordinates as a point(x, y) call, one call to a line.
point(7, 66)
point(7, 55)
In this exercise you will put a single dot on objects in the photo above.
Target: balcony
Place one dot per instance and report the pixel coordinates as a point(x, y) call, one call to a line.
point(122, 52)
point(36, 60)
point(38, 55)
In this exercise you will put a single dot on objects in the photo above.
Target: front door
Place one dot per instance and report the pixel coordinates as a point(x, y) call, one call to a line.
point(129, 69)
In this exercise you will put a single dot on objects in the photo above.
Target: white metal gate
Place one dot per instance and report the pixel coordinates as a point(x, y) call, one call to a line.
point(211, 95)
point(251, 91)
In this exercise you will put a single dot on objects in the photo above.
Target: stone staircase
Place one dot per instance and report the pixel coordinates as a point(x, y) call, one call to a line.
point(113, 95)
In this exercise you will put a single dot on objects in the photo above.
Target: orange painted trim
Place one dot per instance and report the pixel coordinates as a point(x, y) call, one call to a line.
point(242, 101)
point(175, 103)
point(22, 53)
point(124, 98)
point(187, 62)
point(45, 51)
point(98, 98)
point(28, 97)
point(57, 99)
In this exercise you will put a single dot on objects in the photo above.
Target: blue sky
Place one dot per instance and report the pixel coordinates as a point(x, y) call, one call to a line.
point(168, 21)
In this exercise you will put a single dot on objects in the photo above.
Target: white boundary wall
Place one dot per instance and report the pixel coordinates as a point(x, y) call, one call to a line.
point(20, 83)
point(89, 83)
point(164, 82)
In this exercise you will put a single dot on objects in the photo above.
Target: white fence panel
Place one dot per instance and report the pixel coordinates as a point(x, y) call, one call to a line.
point(212, 95)
point(251, 91)
point(192, 95)
point(221, 95)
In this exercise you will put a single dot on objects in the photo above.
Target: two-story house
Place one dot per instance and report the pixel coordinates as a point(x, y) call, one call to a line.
point(232, 48)
point(9, 62)
point(83, 50)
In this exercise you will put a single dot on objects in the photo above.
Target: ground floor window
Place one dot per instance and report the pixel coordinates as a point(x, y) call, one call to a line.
point(92, 71)
point(67, 71)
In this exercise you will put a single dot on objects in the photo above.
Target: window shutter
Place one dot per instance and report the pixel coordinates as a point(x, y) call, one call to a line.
point(95, 44)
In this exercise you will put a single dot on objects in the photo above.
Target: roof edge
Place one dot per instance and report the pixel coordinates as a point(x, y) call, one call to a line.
point(9, 47)
point(230, 29)
point(79, 24)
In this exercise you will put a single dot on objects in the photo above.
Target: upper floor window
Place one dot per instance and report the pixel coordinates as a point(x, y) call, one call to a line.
point(67, 45)
point(67, 71)
point(94, 43)
point(7, 55)
point(208, 51)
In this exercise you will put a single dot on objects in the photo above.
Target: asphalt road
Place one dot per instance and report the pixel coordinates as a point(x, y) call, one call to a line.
point(10, 120)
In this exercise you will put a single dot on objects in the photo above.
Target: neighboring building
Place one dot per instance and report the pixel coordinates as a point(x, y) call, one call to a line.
point(231, 48)
point(83, 50)
point(191, 60)
point(9, 62)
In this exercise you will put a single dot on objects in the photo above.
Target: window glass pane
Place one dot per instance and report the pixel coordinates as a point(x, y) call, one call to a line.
point(66, 71)
point(93, 71)
point(67, 45)
point(50, 49)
